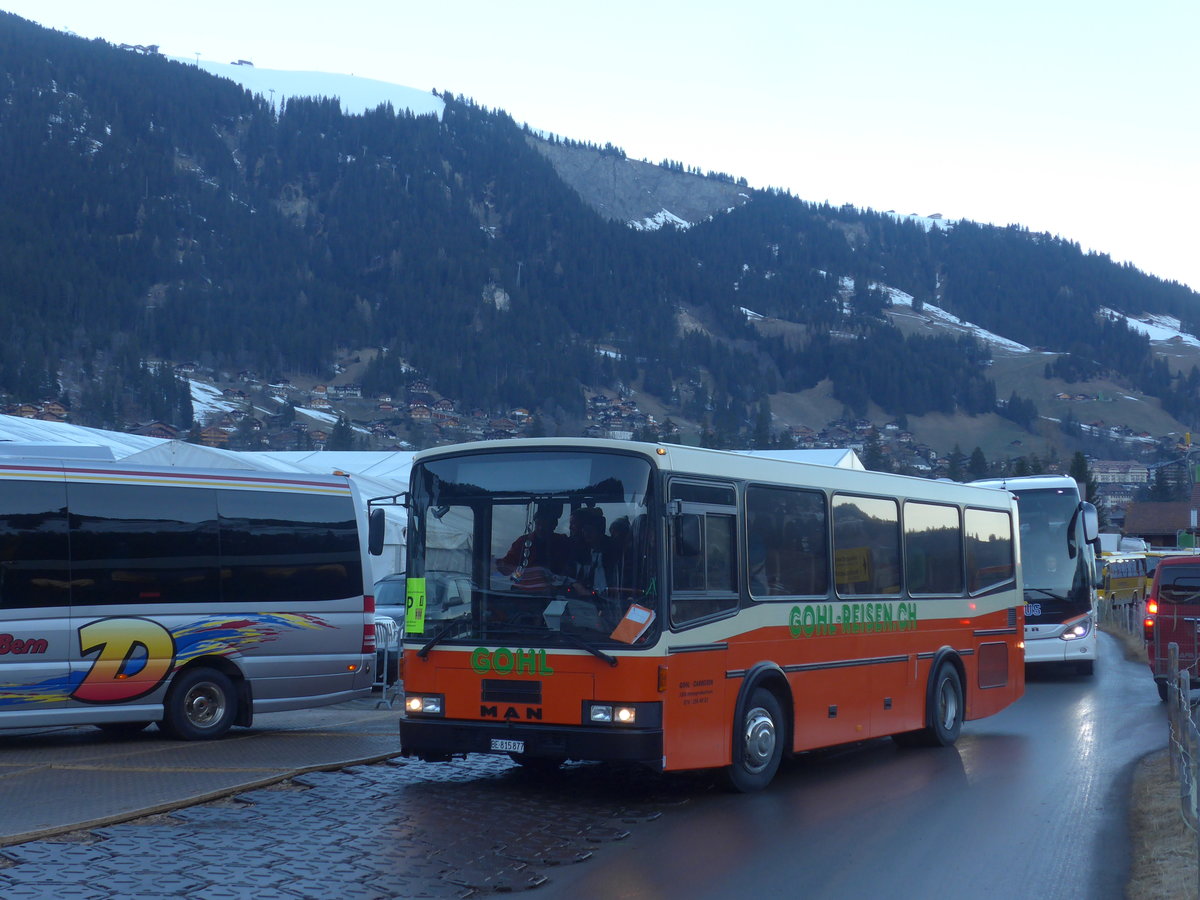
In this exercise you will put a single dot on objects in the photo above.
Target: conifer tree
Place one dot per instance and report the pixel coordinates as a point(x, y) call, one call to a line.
point(977, 466)
point(954, 468)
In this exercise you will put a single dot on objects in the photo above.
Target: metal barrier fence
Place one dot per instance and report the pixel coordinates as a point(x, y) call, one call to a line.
point(387, 634)
point(1181, 700)
point(1184, 744)
point(1124, 614)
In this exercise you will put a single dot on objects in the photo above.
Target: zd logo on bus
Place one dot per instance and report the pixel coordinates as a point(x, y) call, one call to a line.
point(135, 655)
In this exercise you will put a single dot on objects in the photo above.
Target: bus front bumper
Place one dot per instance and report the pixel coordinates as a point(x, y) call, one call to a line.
point(435, 739)
point(1054, 649)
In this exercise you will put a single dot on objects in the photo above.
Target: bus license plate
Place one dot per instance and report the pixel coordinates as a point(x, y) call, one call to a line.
point(508, 746)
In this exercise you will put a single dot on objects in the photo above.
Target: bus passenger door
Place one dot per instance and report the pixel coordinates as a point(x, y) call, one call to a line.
point(703, 604)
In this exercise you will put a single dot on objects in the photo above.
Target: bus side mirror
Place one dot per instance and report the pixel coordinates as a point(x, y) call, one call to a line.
point(1091, 523)
point(376, 523)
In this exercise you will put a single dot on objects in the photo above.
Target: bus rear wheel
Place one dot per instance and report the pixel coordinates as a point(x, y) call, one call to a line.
point(945, 715)
point(757, 743)
point(201, 704)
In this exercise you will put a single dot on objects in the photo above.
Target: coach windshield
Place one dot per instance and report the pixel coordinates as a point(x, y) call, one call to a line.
point(1057, 582)
point(533, 546)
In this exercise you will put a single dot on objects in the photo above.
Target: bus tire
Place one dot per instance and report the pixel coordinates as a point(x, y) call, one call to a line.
point(1086, 667)
point(757, 743)
point(201, 704)
point(944, 713)
point(121, 729)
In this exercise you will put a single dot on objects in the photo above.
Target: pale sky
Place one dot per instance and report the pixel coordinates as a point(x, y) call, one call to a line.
point(1073, 117)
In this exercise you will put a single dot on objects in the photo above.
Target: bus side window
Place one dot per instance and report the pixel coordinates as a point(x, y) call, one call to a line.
point(708, 575)
point(688, 559)
point(34, 571)
point(866, 543)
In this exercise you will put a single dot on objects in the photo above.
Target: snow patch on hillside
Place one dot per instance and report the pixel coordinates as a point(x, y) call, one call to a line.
point(660, 219)
point(355, 95)
point(1156, 327)
point(927, 222)
point(937, 316)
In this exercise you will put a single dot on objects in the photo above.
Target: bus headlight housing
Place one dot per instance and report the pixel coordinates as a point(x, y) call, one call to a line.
point(622, 714)
point(1077, 631)
point(425, 704)
point(611, 714)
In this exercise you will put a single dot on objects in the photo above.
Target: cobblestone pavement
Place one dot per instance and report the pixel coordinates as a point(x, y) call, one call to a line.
point(397, 829)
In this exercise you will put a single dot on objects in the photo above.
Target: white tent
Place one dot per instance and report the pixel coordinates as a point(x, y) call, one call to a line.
point(19, 430)
point(841, 459)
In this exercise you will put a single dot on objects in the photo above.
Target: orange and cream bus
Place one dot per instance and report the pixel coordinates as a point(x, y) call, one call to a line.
point(193, 598)
point(689, 608)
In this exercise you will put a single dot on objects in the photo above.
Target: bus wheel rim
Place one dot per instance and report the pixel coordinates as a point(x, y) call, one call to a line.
point(759, 740)
point(204, 705)
point(948, 704)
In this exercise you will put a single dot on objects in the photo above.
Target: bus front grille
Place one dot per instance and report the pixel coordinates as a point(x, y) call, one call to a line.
point(496, 690)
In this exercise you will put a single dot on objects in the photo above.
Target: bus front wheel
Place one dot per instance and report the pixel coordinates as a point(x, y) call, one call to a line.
point(757, 743)
point(201, 704)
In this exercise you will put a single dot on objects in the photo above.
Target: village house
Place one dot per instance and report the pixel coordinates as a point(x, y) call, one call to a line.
point(214, 436)
point(1119, 472)
point(162, 430)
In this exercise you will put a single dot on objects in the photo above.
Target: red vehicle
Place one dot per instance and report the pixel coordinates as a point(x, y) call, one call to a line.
point(1173, 616)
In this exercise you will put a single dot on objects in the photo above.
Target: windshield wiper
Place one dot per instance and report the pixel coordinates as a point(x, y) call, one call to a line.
point(568, 637)
point(439, 637)
point(591, 648)
point(1053, 595)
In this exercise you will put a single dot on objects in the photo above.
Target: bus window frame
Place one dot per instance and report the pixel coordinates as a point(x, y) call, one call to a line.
point(710, 603)
point(825, 557)
point(899, 532)
point(962, 549)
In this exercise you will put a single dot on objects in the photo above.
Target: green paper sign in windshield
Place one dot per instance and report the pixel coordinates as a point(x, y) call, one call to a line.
point(414, 606)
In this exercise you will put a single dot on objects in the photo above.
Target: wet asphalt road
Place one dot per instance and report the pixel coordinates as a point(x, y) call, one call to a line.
point(1032, 802)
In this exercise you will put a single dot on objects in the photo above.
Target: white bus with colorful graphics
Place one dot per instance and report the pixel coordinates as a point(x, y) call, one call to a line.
point(735, 609)
point(190, 598)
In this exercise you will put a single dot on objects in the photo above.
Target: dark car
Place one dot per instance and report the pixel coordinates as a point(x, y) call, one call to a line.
point(1173, 617)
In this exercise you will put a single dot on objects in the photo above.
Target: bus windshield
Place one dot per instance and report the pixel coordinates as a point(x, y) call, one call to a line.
point(533, 546)
point(1057, 583)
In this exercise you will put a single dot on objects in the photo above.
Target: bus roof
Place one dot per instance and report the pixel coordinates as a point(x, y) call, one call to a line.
point(39, 467)
point(1030, 482)
point(730, 464)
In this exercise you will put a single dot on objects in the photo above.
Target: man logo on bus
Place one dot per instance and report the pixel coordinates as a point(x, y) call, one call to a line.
point(135, 655)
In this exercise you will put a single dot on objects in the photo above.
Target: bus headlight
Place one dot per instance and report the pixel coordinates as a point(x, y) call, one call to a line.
point(618, 714)
point(424, 704)
point(1077, 631)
